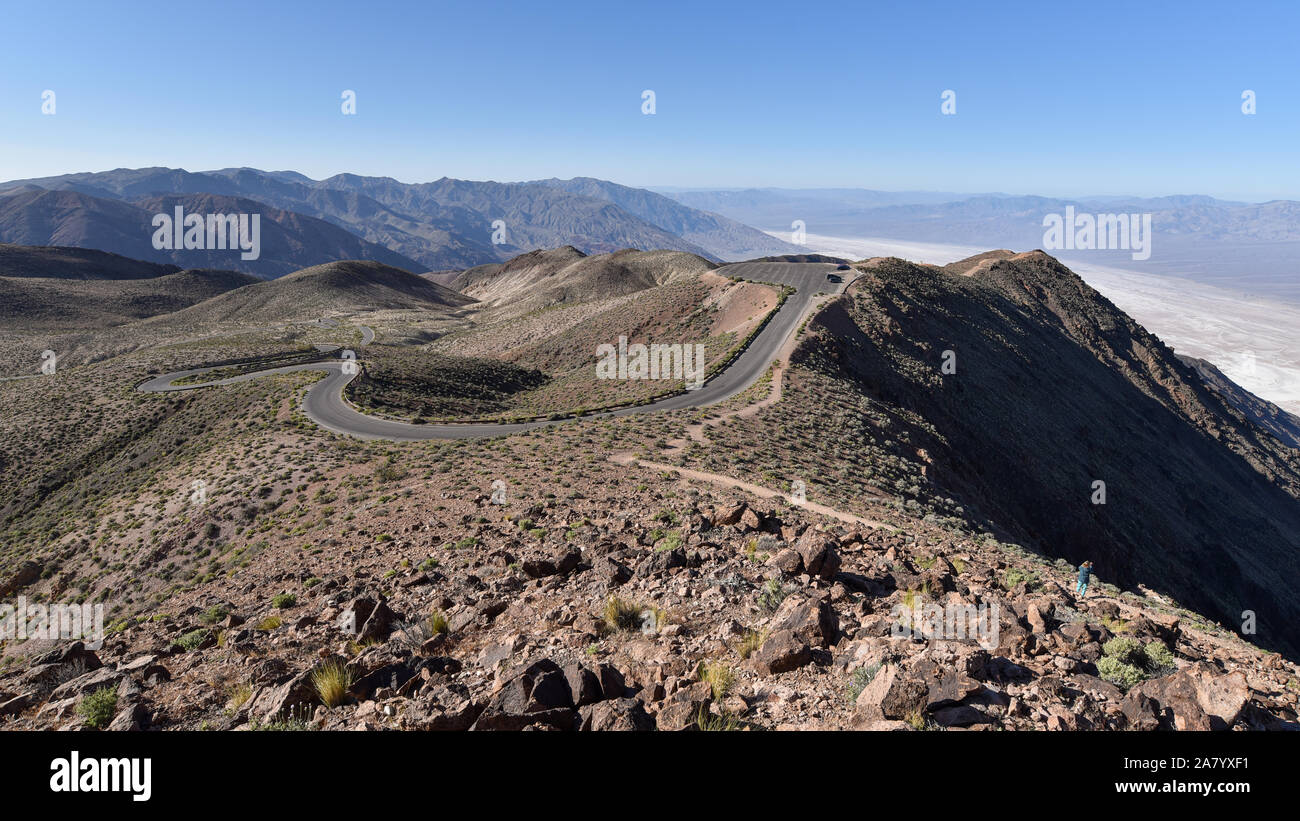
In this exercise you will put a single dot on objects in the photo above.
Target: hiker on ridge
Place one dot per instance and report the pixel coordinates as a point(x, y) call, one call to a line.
point(1085, 572)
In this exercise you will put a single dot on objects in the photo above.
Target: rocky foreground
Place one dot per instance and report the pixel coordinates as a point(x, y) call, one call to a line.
point(707, 616)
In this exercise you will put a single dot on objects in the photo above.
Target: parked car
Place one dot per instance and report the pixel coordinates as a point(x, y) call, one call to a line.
point(842, 268)
point(834, 278)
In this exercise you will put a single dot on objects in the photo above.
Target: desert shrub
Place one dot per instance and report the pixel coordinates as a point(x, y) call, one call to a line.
point(670, 541)
point(332, 681)
point(193, 639)
point(239, 696)
point(1126, 662)
point(920, 722)
point(282, 601)
point(390, 471)
point(1114, 625)
point(295, 720)
point(98, 707)
point(1125, 649)
point(214, 614)
point(860, 679)
point(772, 596)
point(1014, 576)
point(709, 723)
point(1118, 673)
point(1159, 658)
point(719, 676)
point(749, 643)
point(622, 615)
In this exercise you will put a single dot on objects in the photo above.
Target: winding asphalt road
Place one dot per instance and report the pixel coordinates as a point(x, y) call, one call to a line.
point(324, 403)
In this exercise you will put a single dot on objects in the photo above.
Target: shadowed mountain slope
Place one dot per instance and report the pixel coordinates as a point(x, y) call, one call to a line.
point(59, 262)
point(1285, 426)
point(66, 303)
point(1055, 390)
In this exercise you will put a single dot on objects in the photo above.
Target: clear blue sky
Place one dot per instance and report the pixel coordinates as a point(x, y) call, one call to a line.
point(1052, 97)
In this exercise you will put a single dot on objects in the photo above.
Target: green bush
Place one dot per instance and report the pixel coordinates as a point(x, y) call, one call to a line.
point(861, 678)
point(214, 614)
point(1118, 673)
point(98, 707)
point(1125, 649)
point(1126, 662)
point(193, 639)
point(284, 600)
point(1159, 658)
point(1014, 576)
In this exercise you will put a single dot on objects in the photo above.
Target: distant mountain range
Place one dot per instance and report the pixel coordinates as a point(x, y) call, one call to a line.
point(1252, 247)
point(289, 240)
point(444, 225)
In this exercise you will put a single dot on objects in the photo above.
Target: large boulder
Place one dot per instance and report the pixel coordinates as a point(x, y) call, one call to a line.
point(788, 561)
point(620, 714)
point(812, 620)
point(681, 710)
point(284, 700)
point(1198, 697)
point(444, 710)
point(583, 685)
point(951, 689)
point(729, 515)
point(368, 617)
point(819, 554)
point(87, 683)
point(1139, 711)
point(892, 694)
point(533, 694)
point(780, 652)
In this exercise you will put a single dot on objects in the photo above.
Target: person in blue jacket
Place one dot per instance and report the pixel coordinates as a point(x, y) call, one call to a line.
point(1085, 572)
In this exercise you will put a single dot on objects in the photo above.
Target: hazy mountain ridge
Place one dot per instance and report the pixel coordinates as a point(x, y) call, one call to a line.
point(289, 240)
point(730, 239)
point(440, 225)
point(1250, 247)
